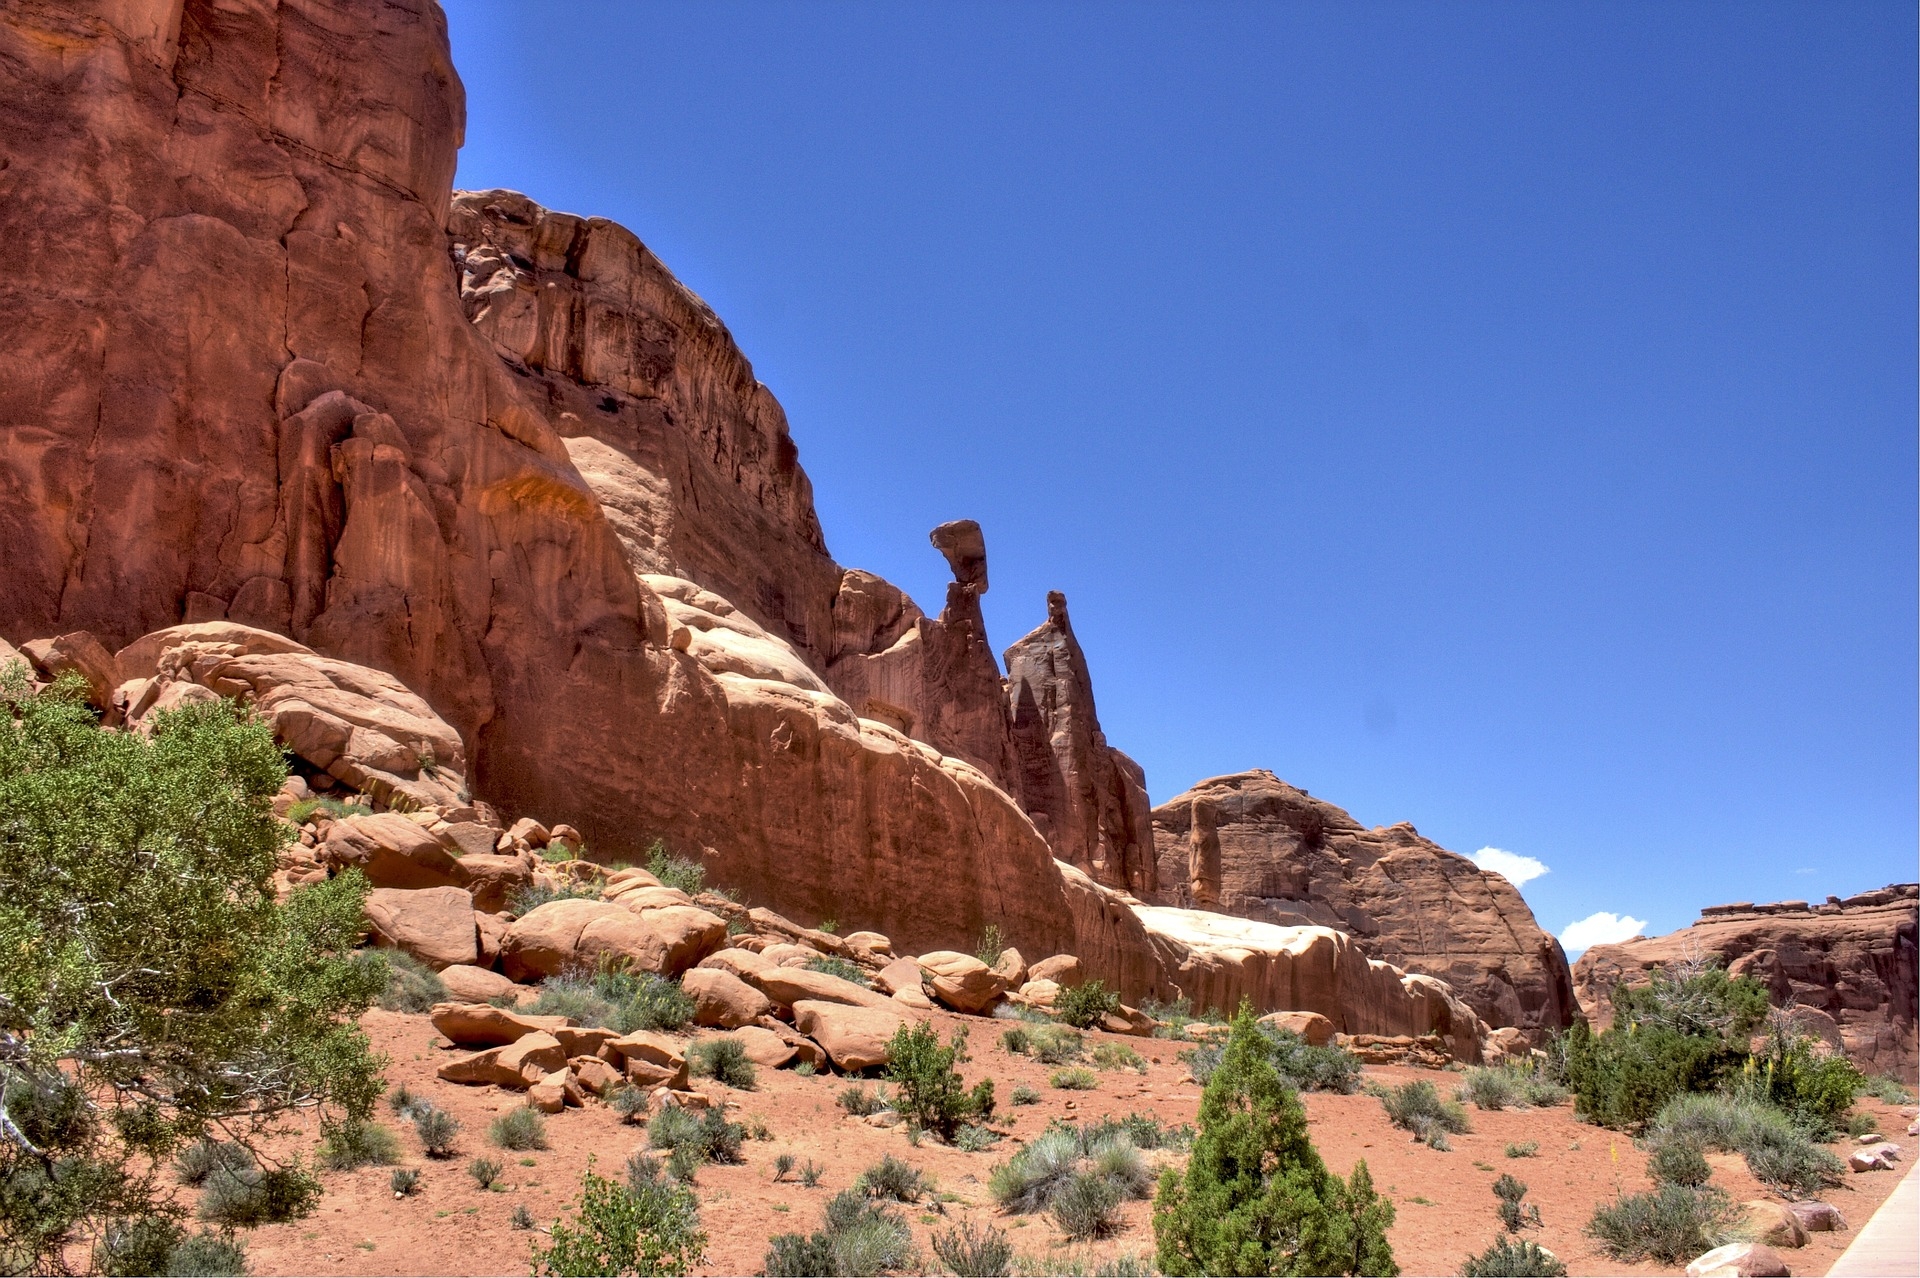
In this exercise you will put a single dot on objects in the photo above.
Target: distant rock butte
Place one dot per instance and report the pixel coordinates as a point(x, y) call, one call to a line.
point(1847, 964)
point(1253, 846)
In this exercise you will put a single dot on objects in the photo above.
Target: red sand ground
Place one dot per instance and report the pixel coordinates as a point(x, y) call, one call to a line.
point(1444, 1200)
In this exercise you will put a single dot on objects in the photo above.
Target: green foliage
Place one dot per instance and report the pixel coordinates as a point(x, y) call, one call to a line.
point(1256, 1199)
point(1074, 1079)
point(1118, 1056)
point(531, 896)
point(522, 1218)
point(404, 1181)
point(519, 1129)
point(1050, 1044)
point(858, 1237)
point(411, 985)
point(1513, 1258)
point(614, 998)
point(687, 875)
point(1776, 1149)
point(1514, 1212)
point(1085, 1206)
point(629, 1102)
point(992, 944)
point(932, 1095)
point(241, 1198)
point(1082, 1006)
point(1813, 1087)
point(970, 1253)
point(1509, 1086)
point(1417, 1107)
point(860, 1102)
point(1695, 1000)
point(1623, 1077)
point(204, 1255)
point(1885, 1087)
point(438, 1131)
point(707, 1136)
point(1523, 1149)
point(1678, 1162)
point(1304, 1067)
point(1024, 1095)
point(646, 1229)
point(358, 1143)
point(834, 965)
point(134, 1248)
point(894, 1179)
point(724, 1060)
point(326, 805)
point(152, 986)
point(198, 1160)
point(810, 1173)
point(484, 1171)
point(1174, 1018)
point(1672, 1224)
point(972, 1138)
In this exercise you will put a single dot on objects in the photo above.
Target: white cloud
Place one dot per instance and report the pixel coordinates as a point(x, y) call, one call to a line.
point(1511, 866)
point(1602, 928)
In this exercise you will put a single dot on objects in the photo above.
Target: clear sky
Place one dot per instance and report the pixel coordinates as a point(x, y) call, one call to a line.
point(1496, 417)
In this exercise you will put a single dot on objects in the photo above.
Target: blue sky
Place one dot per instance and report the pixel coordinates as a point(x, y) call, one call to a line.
point(1496, 417)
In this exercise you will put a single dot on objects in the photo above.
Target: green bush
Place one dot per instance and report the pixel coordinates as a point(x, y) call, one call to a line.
point(519, 1129)
point(1119, 1056)
point(206, 1255)
point(241, 1198)
point(327, 805)
point(404, 1181)
point(971, 1253)
point(152, 984)
point(1255, 1197)
point(358, 1143)
point(858, 1101)
point(1491, 1087)
point(892, 1178)
point(932, 1095)
point(522, 1217)
point(1885, 1087)
point(646, 1229)
point(1083, 1006)
point(1023, 1095)
point(1622, 1078)
point(1515, 1213)
point(1694, 999)
point(629, 1102)
point(542, 891)
point(1815, 1089)
point(687, 875)
point(834, 965)
point(1085, 1206)
point(856, 1238)
point(1776, 1149)
point(1028, 1181)
point(1074, 1079)
point(1174, 1018)
point(972, 1138)
point(1672, 1224)
point(438, 1130)
point(1304, 1067)
point(1523, 1149)
point(992, 945)
point(1513, 1258)
point(412, 986)
point(202, 1158)
point(1053, 1044)
point(1417, 1107)
point(708, 1136)
point(484, 1171)
point(138, 1247)
point(724, 1060)
point(613, 998)
point(1678, 1162)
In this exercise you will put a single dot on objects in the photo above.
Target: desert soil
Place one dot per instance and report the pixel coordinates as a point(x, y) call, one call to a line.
point(1444, 1200)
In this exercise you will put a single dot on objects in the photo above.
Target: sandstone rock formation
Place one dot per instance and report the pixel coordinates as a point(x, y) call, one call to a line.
point(1088, 798)
point(1251, 845)
point(1849, 962)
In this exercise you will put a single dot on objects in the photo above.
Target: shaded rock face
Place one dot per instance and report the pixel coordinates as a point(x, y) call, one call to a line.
point(1088, 798)
point(1252, 845)
point(1851, 959)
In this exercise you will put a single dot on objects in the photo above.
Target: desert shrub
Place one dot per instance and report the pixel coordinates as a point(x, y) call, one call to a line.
point(724, 1060)
point(992, 944)
point(1255, 1197)
point(1491, 1087)
point(204, 1157)
point(1672, 1224)
point(1074, 1079)
point(241, 1198)
point(834, 965)
point(892, 1178)
point(1513, 1258)
point(1304, 1067)
point(1885, 1087)
point(542, 891)
point(708, 1136)
point(1028, 1181)
point(782, 1167)
point(406, 1103)
point(1417, 1107)
point(932, 1095)
point(205, 1255)
point(680, 872)
point(1016, 1040)
point(1776, 1150)
point(404, 1181)
point(629, 1102)
point(974, 1137)
point(1515, 1213)
point(438, 1130)
point(327, 805)
point(412, 986)
point(1796, 1166)
point(974, 1253)
point(1020, 1012)
point(613, 998)
point(1678, 1162)
point(648, 1229)
point(357, 1143)
point(857, 1237)
point(1054, 1044)
point(138, 1247)
point(1814, 1088)
point(1173, 1018)
point(1118, 1056)
point(1538, 1088)
point(1085, 1206)
point(1695, 999)
point(522, 1217)
point(1144, 1130)
point(519, 1129)
point(1116, 1160)
point(1082, 1006)
point(1623, 1077)
point(858, 1101)
point(1023, 1095)
point(484, 1171)
point(1523, 1149)
point(810, 1173)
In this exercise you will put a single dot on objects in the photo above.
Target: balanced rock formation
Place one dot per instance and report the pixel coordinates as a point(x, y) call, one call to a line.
point(1251, 845)
point(1846, 966)
point(1088, 798)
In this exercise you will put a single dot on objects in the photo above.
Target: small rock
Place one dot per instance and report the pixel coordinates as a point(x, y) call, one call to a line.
point(1871, 1138)
point(549, 1095)
point(1817, 1217)
point(1740, 1260)
point(1770, 1222)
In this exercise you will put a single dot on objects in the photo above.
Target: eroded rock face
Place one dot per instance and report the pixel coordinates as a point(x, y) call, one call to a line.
point(1088, 798)
point(1850, 960)
point(1251, 845)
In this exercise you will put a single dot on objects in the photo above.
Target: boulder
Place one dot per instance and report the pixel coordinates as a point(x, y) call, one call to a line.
point(475, 839)
point(806, 1051)
point(1316, 1029)
point(533, 1056)
point(479, 1024)
point(962, 981)
point(1739, 1260)
point(490, 930)
point(1818, 1217)
point(769, 924)
point(492, 879)
point(528, 831)
point(1775, 1224)
point(467, 984)
point(787, 986)
point(595, 1075)
point(482, 1068)
point(869, 947)
point(77, 653)
point(1128, 1020)
point(392, 852)
point(744, 964)
point(1063, 970)
point(1039, 993)
point(434, 925)
point(684, 935)
point(651, 1060)
point(579, 934)
point(584, 1040)
point(549, 1094)
point(1011, 968)
point(764, 1047)
point(786, 954)
point(722, 999)
point(854, 1038)
point(564, 833)
point(1873, 1158)
point(900, 974)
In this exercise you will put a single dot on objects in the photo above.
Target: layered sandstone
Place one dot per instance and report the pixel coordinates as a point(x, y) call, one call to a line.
point(1846, 965)
point(1253, 846)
